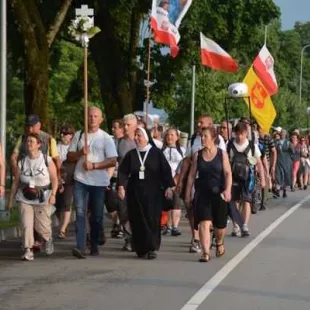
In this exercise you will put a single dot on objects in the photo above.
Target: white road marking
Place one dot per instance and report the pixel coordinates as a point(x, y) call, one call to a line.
point(209, 286)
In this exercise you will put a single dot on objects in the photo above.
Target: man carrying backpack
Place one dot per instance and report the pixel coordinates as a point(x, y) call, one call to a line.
point(244, 155)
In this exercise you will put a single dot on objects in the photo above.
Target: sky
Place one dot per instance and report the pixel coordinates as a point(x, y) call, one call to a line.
point(293, 11)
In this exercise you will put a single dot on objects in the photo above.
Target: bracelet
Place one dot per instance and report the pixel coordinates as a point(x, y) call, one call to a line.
point(52, 194)
point(94, 166)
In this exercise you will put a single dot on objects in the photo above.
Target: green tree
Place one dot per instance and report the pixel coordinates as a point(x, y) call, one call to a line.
point(38, 24)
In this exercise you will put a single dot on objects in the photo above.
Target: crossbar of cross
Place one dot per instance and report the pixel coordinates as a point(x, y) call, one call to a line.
point(84, 11)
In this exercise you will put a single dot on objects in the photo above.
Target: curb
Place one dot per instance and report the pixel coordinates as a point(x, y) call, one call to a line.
point(11, 232)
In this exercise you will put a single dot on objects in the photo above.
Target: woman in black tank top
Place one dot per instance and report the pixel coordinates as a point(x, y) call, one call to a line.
point(211, 174)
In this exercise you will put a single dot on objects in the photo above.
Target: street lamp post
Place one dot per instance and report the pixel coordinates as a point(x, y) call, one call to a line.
point(300, 78)
point(3, 91)
point(308, 114)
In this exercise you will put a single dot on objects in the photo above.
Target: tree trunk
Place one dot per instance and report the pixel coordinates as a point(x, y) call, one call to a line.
point(115, 58)
point(37, 41)
point(36, 86)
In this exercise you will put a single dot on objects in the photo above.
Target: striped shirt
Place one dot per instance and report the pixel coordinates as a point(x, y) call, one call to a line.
point(268, 144)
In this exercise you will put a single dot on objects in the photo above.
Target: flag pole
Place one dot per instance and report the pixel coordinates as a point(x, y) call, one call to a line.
point(193, 100)
point(148, 86)
point(266, 35)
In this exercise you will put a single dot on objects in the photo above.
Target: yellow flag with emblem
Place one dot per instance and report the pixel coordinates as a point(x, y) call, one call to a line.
point(262, 108)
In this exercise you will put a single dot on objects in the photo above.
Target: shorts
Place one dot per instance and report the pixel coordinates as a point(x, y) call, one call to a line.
point(304, 168)
point(240, 193)
point(114, 204)
point(175, 204)
point(111, 200)
point(64, 200)
point(210, 207)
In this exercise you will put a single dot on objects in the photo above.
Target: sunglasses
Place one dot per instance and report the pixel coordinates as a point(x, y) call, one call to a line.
point(64, 133)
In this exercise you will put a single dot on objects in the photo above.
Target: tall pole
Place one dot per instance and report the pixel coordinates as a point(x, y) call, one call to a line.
point(300, 78)
point(193, 100)
point(148, 85)
point(85, 12)
point(3, 87)
point(3, 75)
point(85, 98)
point(266, 35)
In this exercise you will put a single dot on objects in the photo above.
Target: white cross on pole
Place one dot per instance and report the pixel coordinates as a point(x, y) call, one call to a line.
point(84, 11)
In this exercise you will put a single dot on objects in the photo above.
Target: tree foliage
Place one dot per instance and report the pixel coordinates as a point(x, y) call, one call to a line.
point(47, 78)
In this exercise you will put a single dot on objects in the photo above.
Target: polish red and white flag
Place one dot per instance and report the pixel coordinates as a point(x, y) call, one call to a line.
point(166, 17)
point(213, 56)
point(264, 68)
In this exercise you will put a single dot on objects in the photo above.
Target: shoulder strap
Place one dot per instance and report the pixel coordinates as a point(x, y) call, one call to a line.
point(252, 147)
point(230, 146)
point(22, 163)
point(118, 144)
point(45, 159)
point(179, 150)
point(80, 137)
point(193, 137)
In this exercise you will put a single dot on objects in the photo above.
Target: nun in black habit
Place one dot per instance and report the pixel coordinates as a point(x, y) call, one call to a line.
point(146, 176)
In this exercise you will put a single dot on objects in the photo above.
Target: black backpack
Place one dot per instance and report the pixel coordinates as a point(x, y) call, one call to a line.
point(240, 165)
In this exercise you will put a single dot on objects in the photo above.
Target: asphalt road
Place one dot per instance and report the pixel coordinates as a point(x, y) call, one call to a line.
point(268, 270)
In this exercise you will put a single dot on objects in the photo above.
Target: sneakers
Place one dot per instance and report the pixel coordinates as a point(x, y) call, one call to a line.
point(28, 255)
point(195, 247)
point(253, 208)
point(166, 231)
point(78, 253)
point(236, 231)
point(116, 232)
point(262, 207)
point(127, 246)
point(175, 231)
point(245, 230)
point(49, 247)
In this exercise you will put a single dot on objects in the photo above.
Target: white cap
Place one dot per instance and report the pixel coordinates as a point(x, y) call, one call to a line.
point(278, 129)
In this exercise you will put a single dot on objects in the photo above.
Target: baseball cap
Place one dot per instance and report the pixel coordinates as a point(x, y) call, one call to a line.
point(32, 119)
point(278, 129)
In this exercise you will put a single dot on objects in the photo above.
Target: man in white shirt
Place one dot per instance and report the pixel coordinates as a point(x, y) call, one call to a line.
point(91, 178)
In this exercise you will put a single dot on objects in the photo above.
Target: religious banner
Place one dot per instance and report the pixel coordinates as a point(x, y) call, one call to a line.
point(166, 17)
point(262, 108)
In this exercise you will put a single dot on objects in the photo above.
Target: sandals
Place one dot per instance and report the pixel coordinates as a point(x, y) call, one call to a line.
point(219, 253)
point(205, 257)
point(61, 235)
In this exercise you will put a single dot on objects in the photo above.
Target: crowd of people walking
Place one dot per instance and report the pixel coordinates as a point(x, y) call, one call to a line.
point(144, 179)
